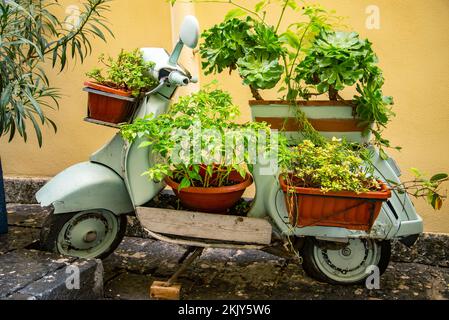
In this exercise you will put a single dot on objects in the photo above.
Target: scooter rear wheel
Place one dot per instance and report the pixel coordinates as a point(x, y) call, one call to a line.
point(88, 234)
point(345, 265)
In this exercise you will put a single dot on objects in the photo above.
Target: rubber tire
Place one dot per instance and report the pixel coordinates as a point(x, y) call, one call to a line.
point(314, 272)
point(54, 224)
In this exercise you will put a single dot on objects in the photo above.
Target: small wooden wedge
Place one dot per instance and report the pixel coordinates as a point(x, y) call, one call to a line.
point(160, 291)
point(170, 290)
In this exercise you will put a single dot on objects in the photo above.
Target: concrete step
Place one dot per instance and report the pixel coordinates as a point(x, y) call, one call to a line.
point(35, 275)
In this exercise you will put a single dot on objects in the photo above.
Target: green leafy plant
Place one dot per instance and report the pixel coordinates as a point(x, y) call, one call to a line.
point(338, 60)
point(264, 55)
point(128, 72)
point(198, 158)
point(337, 166)
point(329, 167)
point(32, 35)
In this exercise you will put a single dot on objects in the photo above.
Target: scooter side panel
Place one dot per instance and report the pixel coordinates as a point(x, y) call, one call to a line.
point(140, 188)
point(110, 155)
point(86, 186)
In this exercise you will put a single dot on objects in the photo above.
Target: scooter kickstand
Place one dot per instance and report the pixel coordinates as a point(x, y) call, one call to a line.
point(170, 290)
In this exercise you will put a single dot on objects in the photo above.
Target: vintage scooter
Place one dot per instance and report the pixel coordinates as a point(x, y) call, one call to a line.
point(91, 202)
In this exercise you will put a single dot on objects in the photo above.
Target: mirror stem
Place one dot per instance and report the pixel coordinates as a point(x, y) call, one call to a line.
point(174, 58)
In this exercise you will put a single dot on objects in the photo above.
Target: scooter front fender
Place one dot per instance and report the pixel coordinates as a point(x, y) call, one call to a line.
point(86, 186)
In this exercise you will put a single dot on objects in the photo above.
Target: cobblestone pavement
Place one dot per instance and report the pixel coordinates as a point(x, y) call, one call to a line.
point(420, 273)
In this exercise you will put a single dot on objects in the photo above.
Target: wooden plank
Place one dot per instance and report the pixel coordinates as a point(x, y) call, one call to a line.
point(322, 125)
point(205, 225)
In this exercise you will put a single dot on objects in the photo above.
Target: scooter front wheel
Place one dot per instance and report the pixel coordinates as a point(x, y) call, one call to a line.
point(345, 264)
point(87, 234)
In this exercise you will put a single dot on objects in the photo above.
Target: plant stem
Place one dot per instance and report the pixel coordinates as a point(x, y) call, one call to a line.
point(231, 2)
point(282, 15)
point(299, 48)
point(255, 93)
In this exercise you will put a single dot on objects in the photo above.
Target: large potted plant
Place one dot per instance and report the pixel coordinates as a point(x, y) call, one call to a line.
point(199, 151)
point(337, 60)
point(334, 185)
point(268, 57)
point(328, 185)
point(114, 90)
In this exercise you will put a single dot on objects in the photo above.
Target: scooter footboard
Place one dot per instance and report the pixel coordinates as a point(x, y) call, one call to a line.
point(86, 186)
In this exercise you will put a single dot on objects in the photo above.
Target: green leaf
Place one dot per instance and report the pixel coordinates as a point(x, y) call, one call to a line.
point(383, 154)
point(185, 183)
point(260, 5)
point(416, 172)
point(439, 177)
point(145, 144)
point(234, 13)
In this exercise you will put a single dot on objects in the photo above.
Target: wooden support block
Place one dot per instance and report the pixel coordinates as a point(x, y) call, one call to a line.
point(206, 226)
point(158, 290)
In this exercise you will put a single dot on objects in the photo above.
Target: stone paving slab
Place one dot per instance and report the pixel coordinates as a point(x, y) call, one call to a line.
point(53, 286)
point(18, 238)
point(35, 275)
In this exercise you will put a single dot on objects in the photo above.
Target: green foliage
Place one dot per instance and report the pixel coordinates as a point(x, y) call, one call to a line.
point(189, 143)
point(260, 73)
point(224, 44)
point(32, 35)
point(330, 167)
point(262, 53)
point(338, 60)
point(128, 72)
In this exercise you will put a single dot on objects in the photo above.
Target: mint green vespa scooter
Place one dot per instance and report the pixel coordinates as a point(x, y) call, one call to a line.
point(91, 202)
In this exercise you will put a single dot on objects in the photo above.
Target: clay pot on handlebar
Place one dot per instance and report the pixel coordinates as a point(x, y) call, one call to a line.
point(109, 105)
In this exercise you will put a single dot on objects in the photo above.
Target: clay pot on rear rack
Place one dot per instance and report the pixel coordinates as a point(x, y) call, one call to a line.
point(310, 207)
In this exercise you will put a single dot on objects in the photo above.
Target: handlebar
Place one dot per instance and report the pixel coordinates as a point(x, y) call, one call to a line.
point(175, 78)
point(178, 79)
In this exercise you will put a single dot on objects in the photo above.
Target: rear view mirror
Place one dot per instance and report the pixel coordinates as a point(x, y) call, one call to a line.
point(190, 32)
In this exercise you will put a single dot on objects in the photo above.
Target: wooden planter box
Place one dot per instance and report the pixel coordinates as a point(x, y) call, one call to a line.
point(312, 207)
point(329, 118)
point(109, 105)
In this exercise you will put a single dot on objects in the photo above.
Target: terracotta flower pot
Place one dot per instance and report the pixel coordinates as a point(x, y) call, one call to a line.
point(329, 118)
point(109, 105)
point(212, 200)
point(312, 207)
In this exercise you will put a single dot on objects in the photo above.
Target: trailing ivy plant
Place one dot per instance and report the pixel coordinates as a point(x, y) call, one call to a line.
point(128, 72)
point(190, 143)
point(32, 35)
point(338, 60)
